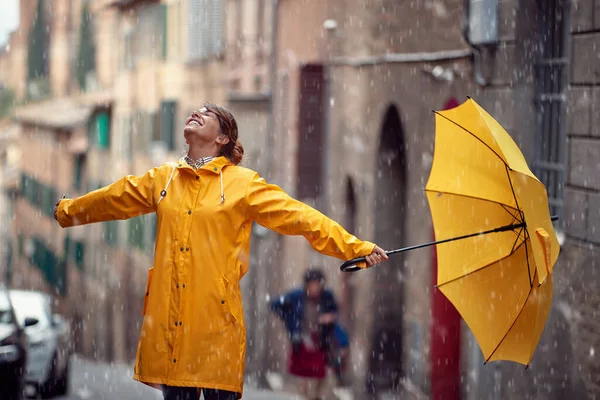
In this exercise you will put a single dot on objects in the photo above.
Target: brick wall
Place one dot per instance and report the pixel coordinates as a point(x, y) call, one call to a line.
point(582, 195)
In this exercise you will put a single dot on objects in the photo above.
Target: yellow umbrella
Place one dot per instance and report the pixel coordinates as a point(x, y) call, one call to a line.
point(500, 283)
point(496, 243)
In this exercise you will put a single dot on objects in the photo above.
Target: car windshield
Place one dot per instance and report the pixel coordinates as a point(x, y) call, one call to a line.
point(6, 316)
point(31, 305)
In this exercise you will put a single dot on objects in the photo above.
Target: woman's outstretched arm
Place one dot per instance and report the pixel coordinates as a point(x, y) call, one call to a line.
point(271, 207)
point(128, 197)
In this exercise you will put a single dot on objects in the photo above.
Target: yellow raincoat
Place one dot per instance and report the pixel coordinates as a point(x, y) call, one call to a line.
point(193, 331)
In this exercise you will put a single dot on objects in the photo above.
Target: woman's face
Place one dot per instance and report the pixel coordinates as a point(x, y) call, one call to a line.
point(202, 127)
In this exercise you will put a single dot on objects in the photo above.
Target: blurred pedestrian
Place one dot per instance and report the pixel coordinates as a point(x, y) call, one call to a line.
point(317, 340)
point(193, 335)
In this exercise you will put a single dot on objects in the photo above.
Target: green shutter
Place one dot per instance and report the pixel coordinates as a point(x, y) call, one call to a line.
point(103, 131)
point(111, 231)
point(20, 241)
point(77, 171)
point(163, 12)
point(67, 248)
point(168, 111)
point(79, 254)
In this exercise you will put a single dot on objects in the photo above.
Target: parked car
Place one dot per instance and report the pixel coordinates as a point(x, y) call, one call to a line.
point(47, 371)
point(13, 350)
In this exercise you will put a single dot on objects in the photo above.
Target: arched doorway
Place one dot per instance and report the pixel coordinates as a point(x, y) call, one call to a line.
point(348, 287)
point(389, 211)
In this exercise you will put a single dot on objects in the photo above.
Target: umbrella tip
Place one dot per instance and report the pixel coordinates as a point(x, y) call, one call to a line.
point(469, 97)
point(485, 362)
point(527, 366)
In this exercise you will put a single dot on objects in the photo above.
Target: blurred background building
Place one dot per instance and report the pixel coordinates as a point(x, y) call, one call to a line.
point(333, 99)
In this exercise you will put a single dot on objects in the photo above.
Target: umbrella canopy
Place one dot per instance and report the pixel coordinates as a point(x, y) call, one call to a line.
point(501, 283)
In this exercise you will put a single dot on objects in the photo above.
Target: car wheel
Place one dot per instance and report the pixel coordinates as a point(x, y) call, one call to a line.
point(55, 385)
point(62, 383)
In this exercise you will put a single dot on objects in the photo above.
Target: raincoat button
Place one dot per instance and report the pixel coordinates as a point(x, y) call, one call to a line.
point(215, 168)
point(184, 285)
point(177, 285)
point(197, 177)
point(181, 249)
point(222, 301)
point(174, 360)
point(189, 211)
point(180, 323)
point(175, 323)
point(187, 249)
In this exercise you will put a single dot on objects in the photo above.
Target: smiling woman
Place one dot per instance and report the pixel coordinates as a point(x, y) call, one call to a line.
point(212, 126)
point(193, 334)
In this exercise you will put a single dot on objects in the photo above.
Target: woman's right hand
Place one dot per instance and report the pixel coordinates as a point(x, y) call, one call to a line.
point(56, 207)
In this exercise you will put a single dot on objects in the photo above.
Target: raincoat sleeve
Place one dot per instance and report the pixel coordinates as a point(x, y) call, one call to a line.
point(271, 207)
point(128, 197)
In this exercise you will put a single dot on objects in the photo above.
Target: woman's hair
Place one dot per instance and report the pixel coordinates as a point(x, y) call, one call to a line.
point(234, 151)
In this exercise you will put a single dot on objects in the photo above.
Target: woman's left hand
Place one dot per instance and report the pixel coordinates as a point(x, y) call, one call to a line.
point(378, 255)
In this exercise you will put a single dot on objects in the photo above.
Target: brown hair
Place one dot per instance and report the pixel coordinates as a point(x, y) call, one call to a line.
point(234, 151)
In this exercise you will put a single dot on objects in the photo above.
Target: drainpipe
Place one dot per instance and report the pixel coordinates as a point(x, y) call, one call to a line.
point(268, 245)
point(271, 137)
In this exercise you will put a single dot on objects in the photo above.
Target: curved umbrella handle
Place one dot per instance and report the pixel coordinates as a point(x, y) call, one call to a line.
point(350, 265)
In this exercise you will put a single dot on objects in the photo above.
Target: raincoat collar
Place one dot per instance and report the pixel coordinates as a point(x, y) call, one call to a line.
point(215, 166)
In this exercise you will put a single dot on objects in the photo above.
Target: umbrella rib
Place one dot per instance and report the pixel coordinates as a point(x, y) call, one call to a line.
point(472, 134)
point(527, 258)
point(508, 211)
point(475, 198)
point(517, 240)
point(510, 327)
point(482, 268)
point(522, 221)
point(515, 196)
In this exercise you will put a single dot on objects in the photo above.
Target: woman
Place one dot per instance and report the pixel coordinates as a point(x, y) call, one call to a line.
point(193, 335)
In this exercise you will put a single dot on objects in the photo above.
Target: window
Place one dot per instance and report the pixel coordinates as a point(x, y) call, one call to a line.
point(49, 264)
point(168, 112)
point(150, 32)
point(550, 102)
point(205, 29)
point(136, 232)
point(78, 171)
point(79, 254)
point(142, 232)
point(111, 232)
point(144, 130)
point(99, 130)
point(49, 198)
point(103, 129)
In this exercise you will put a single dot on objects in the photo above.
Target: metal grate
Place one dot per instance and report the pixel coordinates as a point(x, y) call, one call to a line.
point(551, 99)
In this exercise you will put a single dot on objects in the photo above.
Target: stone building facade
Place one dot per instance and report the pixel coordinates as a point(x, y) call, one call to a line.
point(378, 71)
point(333, 100)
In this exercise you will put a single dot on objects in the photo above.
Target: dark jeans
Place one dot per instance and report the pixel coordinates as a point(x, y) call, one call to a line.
point(190, 393)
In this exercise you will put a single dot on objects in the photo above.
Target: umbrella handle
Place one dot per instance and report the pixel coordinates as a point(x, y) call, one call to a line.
point(351, 265)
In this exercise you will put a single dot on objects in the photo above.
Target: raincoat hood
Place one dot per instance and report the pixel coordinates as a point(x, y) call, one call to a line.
point(193, 331)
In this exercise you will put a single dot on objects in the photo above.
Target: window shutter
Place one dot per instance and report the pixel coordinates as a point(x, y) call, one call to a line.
point(168, 111)
point(102, 129)
point(216, 26)
point(198, 29)
point(79, 254)
point(310, 140)
point(205, 28)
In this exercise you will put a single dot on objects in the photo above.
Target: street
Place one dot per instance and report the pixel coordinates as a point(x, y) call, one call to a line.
point(97, 381)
